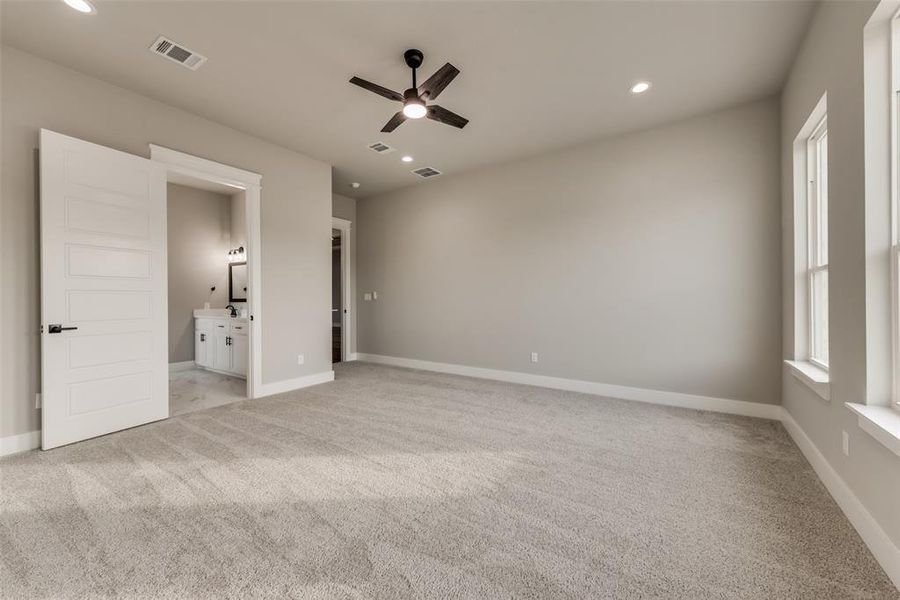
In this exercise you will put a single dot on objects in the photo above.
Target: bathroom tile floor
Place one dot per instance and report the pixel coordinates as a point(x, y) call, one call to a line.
point(197, 389)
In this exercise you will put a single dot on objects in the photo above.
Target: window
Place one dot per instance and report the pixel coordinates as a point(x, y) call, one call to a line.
point(809, 362)
point(895, 211)
point(895, 291)
point(817, 235)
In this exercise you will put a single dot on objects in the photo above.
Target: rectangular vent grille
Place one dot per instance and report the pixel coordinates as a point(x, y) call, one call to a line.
point(381, 148)
point(177, 53)
point(426, 172)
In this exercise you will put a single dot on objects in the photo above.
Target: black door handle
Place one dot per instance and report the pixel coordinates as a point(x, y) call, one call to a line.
point(57, 328)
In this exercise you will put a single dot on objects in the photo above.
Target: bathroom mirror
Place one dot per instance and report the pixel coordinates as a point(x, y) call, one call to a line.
point(237, 282)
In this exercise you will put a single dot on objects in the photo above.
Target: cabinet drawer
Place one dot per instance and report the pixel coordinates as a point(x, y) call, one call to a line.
point(205, 324)
point(239, 328)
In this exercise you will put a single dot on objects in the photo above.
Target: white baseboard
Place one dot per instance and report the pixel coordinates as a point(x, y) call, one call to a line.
point(883, 549)
point(279, 387)
point(352, 356)
point(181, 366)
point(13, 444)
point(723, 405)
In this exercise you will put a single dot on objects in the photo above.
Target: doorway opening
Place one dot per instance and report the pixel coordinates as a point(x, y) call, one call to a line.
point(336, 296)
point(341, 292)
point(214, 292)
point(207, 295)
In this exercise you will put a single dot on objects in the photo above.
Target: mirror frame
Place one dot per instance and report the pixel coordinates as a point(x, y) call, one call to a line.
point(231, 297)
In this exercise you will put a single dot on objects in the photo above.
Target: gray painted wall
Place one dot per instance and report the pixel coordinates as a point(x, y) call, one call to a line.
point(198, 237)
point(650, 260)
point(296, 217)
point(831, 59)
point(345, 208)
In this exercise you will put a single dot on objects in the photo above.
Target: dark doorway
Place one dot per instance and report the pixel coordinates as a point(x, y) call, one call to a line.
point(336, 296)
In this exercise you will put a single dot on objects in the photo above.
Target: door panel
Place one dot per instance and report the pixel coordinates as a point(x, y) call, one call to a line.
point(92, 261)
point(222, 356)
point(201, 346)
point(102, 217)
point(103, 272)
point(239, 354)
point(109, 305)
point(108, 349)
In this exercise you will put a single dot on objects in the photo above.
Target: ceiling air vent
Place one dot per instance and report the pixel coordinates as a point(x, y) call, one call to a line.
point(426, 172)
point(177, 53)
point(381, 148)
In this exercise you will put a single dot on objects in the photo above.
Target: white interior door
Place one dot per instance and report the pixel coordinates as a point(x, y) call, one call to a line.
point(103, 290)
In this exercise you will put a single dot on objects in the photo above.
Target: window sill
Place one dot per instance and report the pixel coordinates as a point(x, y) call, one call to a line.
point(881, 422)
point(814, 377)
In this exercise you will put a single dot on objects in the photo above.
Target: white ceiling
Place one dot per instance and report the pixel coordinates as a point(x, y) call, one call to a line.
point(535, 75)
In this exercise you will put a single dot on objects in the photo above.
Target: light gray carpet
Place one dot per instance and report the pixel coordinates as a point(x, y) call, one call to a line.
point(390, 483)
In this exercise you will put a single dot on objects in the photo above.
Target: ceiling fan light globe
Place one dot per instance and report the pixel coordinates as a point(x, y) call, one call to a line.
point(414, 110)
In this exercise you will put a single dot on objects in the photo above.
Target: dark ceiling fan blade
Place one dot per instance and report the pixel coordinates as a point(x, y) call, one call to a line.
point(442, 115)
point(394, 123)
point(435, 84)
point(374, 87)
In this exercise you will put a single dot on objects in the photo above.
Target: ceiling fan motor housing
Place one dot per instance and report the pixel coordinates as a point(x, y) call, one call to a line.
point(413, 58)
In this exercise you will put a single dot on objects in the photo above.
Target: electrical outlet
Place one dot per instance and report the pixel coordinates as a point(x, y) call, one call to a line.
point(534, 357)
point(299, 359)
point(38, 401)
point(845, 442)
point(367, 296)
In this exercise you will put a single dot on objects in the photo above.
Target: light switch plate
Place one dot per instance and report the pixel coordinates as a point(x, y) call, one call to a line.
point(367, 296)
point(374, 295)
point(534, 357)
point(300, 359)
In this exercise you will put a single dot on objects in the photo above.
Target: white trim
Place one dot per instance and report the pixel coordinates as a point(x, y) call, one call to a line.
point(801, 182)
point(202, 168)
point(881, 422)
point(879, 543)
point(352, 356)
point(723, 405)
point(347, 287)
point(186, 365)
point(880, 70)
point(13, 444)
point(815, 377)
point(893, 279)
point(179, 163)
point(288, 385)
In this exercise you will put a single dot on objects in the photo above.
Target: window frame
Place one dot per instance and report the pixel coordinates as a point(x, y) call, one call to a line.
point(817, 243)
point(894, 258)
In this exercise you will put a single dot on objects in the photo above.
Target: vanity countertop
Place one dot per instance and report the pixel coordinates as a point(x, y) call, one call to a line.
point(217, 313)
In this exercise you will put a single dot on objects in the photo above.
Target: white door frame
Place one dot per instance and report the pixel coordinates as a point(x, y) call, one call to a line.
point(346, 285)
point(181, 164)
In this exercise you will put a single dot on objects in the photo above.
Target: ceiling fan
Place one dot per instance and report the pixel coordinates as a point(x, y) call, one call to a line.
point(415, 98)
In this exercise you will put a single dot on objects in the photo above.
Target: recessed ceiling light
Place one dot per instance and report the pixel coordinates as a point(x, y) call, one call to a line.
point(354, 185)
point(407, 159)
point(640, 87)
point(82, 6)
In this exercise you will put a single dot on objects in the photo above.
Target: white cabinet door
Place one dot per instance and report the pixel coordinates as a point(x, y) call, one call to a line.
point(222, 352)
point(103, 290)
point(201, 349)
point(239, 355)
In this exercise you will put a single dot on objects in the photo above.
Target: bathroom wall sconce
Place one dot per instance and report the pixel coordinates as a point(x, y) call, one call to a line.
point(236, 255)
